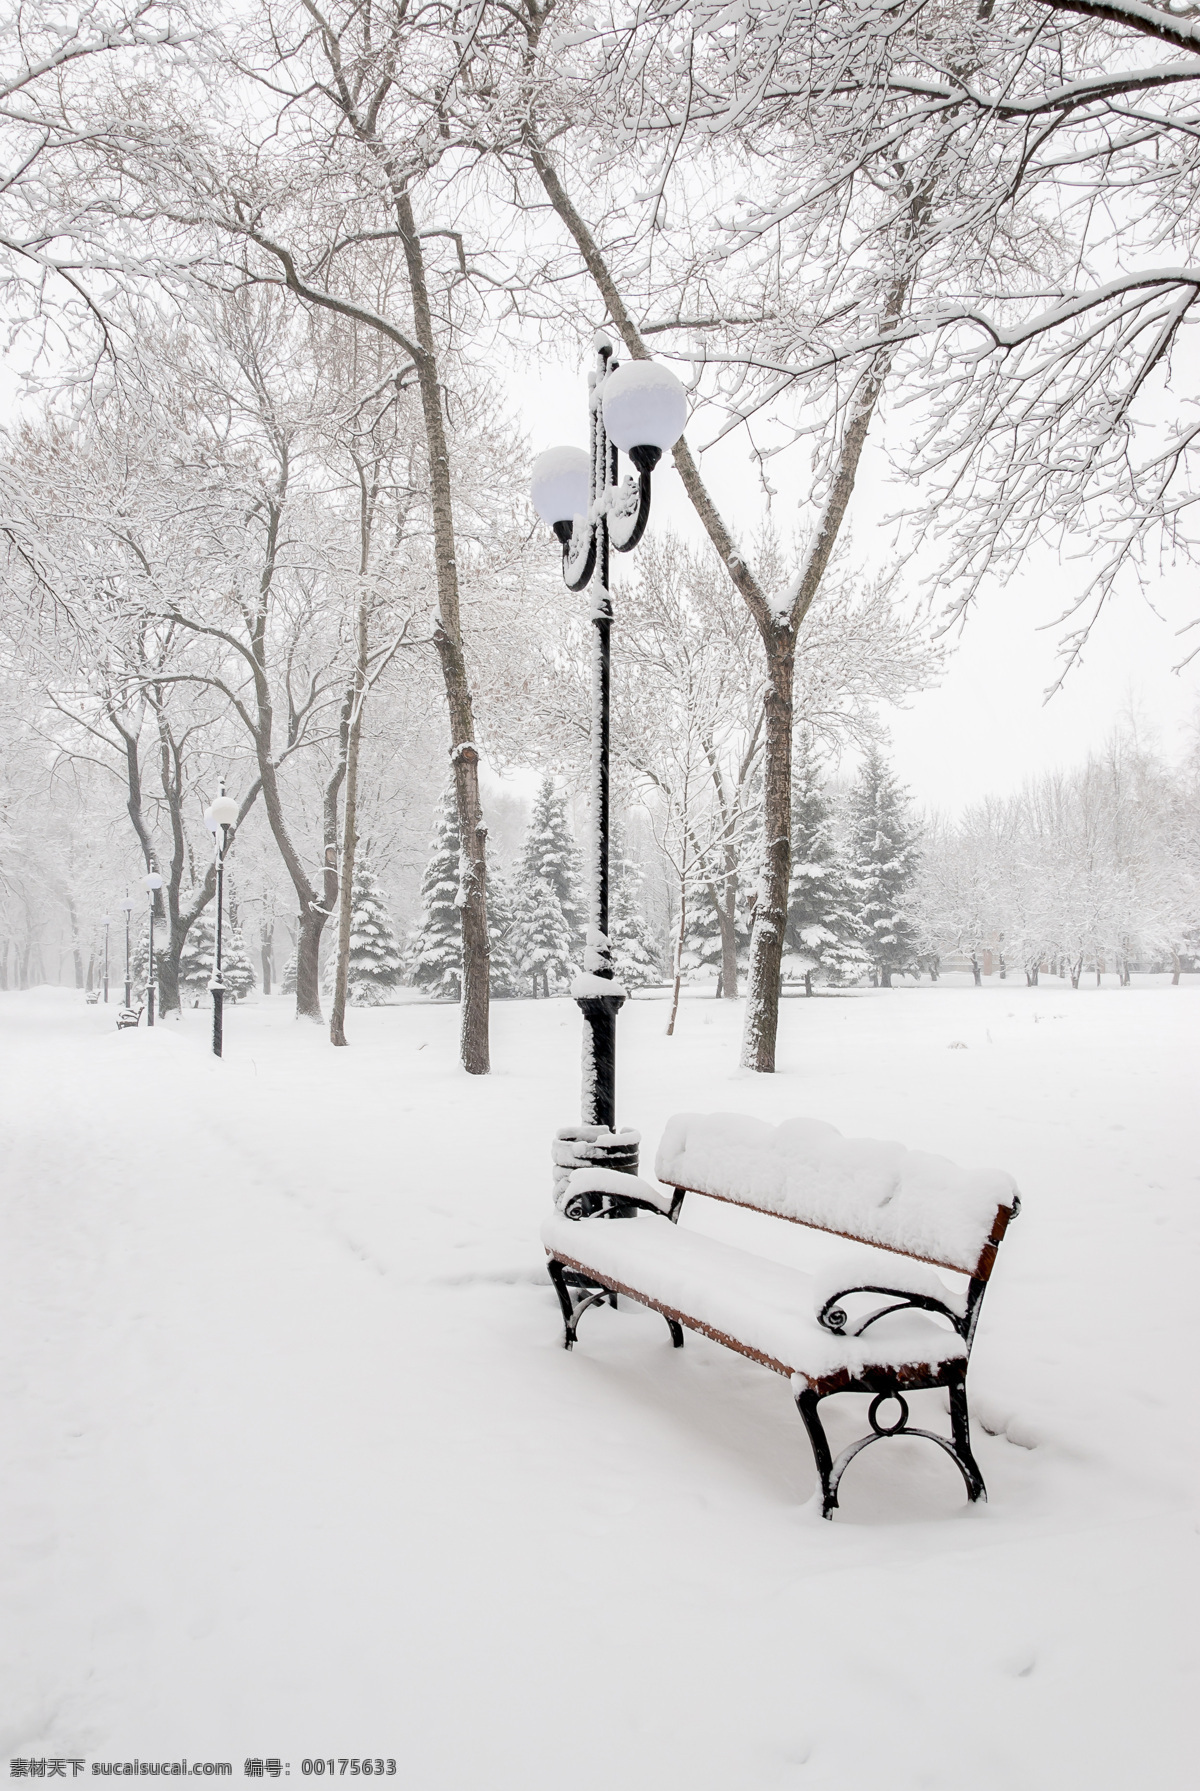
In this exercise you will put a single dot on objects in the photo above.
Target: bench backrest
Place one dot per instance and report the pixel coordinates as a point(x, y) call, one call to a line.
point(867, 1189)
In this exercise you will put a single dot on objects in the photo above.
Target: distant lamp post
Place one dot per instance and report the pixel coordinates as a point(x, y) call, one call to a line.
point(639, 408)
point(106, 923)
point(127, 907)
point(219, 819)
point(151, 883)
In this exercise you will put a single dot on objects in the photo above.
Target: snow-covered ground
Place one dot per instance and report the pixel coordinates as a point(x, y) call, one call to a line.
point(295, 1463)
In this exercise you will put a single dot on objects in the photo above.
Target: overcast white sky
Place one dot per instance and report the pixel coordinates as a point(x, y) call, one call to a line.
point(987, 726)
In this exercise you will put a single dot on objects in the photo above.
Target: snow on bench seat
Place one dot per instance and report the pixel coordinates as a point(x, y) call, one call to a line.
point(869, 1189)
point(761, 1308)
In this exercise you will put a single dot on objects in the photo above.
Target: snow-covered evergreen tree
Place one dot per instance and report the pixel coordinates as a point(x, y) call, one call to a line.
point(883, 859)
point(237, 972)
point(544, 945)
point(551, 856)
point(196, 962)
point(506, 977)
point(549, 916)
point(287, 982)
point(635, 959)
point(435, 950)
point(375, 963)
point(820, 939)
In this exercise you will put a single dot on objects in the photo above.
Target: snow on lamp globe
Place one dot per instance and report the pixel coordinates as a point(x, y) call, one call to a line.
point(645, 411)
point(560, 488)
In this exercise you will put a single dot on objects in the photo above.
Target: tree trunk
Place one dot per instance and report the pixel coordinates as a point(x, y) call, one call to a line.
point(1175, 969)
point(726, 916)
point(678, 961)
point(808, 983)
point(770, 909)
point(885, 976)
point(476, 978)
point(341, 985)
point(976, 971)
point(266, 946)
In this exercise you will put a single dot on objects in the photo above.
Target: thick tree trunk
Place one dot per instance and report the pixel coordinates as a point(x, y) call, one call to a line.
point(310, 925)
point(476, 957)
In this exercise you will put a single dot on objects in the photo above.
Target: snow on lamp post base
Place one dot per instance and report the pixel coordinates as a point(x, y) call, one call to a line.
point(638, 408)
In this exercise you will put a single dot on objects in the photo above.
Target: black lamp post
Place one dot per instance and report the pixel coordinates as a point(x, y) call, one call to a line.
point(127, 906)
point(107, 924)
point(220, 818)
point(638, 408)
point(152, 883)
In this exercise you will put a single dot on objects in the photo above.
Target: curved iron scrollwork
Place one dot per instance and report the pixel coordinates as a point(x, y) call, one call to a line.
point(833, 1316)
point(617, 1206)
point(579, 557)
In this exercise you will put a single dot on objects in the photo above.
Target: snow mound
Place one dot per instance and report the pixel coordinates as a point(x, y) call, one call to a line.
point(869, 1189)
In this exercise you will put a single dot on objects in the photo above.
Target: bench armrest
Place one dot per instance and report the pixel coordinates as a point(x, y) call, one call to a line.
point(616, 1195)
point(908, 1284)
point(833, 1316)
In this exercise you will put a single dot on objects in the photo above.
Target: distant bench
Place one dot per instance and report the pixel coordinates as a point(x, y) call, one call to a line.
point(818, 1330)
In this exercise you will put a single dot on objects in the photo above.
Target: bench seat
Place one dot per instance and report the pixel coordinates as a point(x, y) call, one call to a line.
point(760, 1308)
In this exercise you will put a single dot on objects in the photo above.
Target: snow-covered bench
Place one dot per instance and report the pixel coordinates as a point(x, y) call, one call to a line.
point(885, 1329)
point(128, 1016)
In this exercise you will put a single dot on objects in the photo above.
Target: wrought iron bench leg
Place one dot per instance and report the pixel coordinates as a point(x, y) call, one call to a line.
point(555, 1270)
point(806, 1404)
point(961, 1430)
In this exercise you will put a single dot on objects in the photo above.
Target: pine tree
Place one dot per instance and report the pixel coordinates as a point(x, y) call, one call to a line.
point(702, 931)
point(196, 961)
point(551, 856)
point(635, 960)
point(549, 918)
point(287, 982)
point(542, 939)
point(819, 940)
point(375, 964)
point(502, 940)
point(237, 972)
point(435, 950)
point(883, 863)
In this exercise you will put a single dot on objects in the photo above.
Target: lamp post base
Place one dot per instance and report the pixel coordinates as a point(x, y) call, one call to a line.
point(592, 1147)
point(218, 1036)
